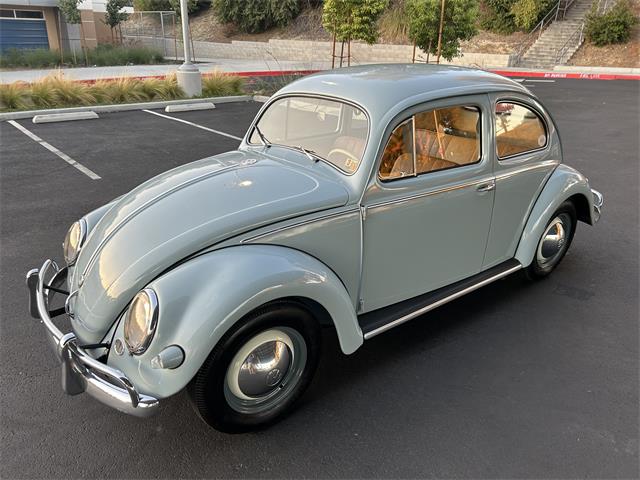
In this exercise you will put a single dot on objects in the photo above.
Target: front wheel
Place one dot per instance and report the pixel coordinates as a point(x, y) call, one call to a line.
point(554, 242)
point(258, 370)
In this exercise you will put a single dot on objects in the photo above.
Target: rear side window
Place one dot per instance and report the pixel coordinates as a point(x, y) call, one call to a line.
point(518, 130)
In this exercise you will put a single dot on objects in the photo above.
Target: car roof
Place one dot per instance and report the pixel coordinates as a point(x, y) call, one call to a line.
point(382, 88)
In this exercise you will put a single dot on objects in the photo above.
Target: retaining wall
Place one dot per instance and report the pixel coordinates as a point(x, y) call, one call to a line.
point(311, 51)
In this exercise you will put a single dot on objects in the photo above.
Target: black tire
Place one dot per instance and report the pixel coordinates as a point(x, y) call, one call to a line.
point(541, 266)
point(210, 392)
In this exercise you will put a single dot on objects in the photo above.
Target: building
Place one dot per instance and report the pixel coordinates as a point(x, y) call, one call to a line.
point(39, 24)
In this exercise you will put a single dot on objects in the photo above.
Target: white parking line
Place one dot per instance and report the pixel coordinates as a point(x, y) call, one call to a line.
point(89, 173)
point(194, 125)
point(540, 81)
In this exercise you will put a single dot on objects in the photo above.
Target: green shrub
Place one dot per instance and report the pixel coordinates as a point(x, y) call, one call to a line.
point(507, 16)
point(497, 16)
point(168, 5)
point(151, 5)
point(105, 55)
point(253, 16)
point(526, 13)
point(219, 84)
point(36, 58)
point(102, 55)
point(613, 26)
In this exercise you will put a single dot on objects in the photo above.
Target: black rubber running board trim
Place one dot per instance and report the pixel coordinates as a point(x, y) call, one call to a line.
point(386, 318)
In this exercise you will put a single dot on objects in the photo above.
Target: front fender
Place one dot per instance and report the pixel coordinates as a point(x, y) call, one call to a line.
point(201, 299)
point(564, 183)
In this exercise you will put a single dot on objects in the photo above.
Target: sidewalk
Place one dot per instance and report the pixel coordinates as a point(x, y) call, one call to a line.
point(210, 65)
point(227, 65)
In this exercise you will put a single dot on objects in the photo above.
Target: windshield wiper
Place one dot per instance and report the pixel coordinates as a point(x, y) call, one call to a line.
point(311, 155)
point(263, 139)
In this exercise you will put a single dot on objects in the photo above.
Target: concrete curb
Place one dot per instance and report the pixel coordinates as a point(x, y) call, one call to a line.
point(122, 107)
point(64, 117)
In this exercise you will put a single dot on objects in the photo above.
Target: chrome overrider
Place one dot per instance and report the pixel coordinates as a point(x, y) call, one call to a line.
point(81, 372)
point(598, 202)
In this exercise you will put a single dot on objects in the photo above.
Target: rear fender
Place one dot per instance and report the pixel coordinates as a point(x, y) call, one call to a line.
point(200, 300)
point(565, 182)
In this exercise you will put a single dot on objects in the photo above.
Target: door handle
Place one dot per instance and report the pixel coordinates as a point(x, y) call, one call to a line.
point(486, 187)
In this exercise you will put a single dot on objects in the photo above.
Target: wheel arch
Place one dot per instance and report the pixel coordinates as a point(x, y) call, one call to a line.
point(200, 300)
point(565, 183)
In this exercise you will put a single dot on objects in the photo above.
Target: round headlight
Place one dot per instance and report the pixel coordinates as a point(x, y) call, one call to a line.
point(140, 321)
point(73, 241)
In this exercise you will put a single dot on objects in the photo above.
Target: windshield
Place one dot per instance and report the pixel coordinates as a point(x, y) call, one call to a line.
point(327, 129)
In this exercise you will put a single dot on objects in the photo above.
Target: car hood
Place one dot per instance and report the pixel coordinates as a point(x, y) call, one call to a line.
point(179, 213)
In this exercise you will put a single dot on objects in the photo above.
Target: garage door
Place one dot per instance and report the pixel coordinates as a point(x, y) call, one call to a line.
point(22, 29)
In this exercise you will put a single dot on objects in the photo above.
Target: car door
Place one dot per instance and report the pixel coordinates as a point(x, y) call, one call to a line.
point(526, 150)
point(427, 209)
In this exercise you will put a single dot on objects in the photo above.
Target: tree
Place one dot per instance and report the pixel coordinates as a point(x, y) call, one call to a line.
point(70, 11)
point(71, 14)
point(113, 15)
point(352, 20)
point(459, 24)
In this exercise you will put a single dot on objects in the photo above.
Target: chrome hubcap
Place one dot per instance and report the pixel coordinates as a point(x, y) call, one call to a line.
point(265, 370)
point(553, 242)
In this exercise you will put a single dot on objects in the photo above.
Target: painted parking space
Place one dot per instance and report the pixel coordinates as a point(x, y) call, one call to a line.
point(516, 380)
point(232, 118)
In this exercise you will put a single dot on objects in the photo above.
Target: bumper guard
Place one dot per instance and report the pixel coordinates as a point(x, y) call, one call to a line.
point(81, 372)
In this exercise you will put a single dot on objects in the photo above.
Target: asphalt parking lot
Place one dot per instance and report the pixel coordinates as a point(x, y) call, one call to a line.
point(515, 380)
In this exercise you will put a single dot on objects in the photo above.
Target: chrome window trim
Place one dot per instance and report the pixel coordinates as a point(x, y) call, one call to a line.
point(538, 114)
point(415, 167)
point(272, 100)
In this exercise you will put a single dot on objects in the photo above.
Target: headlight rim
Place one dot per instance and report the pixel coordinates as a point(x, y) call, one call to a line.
point(82, 223)
point(151, 325)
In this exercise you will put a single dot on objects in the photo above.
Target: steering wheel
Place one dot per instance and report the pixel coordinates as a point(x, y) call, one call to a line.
point(344, 157)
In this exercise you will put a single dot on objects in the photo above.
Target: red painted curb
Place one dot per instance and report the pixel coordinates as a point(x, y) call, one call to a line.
point(581, 76)
point(505, 73)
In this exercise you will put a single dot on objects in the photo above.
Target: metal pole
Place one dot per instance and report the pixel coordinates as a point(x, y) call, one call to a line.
point(186, 45)
point(189, 77)
point(333, 52)
point(164, 44)
point(175, 37)
point(440, 32)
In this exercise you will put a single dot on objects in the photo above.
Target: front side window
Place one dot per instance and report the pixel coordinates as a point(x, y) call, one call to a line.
point(518, 130)
point(331, 130)
point(444, 138)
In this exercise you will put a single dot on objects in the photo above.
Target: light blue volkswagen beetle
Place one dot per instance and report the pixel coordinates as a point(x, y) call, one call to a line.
point(359, 198)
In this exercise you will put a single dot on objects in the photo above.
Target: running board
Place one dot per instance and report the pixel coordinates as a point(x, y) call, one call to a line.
point(383, 319)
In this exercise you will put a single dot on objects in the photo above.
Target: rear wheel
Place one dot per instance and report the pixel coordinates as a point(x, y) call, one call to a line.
point(259, 369)
point(554, 242)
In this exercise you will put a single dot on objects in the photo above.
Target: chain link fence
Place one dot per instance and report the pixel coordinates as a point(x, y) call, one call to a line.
point(153, 29)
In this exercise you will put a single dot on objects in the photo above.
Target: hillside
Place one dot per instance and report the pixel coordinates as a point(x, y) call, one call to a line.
point(308, 26)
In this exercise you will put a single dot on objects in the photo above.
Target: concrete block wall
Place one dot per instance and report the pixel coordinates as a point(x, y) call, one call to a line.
point(312, 51)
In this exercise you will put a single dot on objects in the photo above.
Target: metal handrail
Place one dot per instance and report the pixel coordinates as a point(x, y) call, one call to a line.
point(564, 8)
point(536, 32)
point(562, 51)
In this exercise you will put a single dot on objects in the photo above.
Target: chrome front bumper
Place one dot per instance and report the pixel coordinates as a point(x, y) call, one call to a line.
point(598, 202)
point(81, 372)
